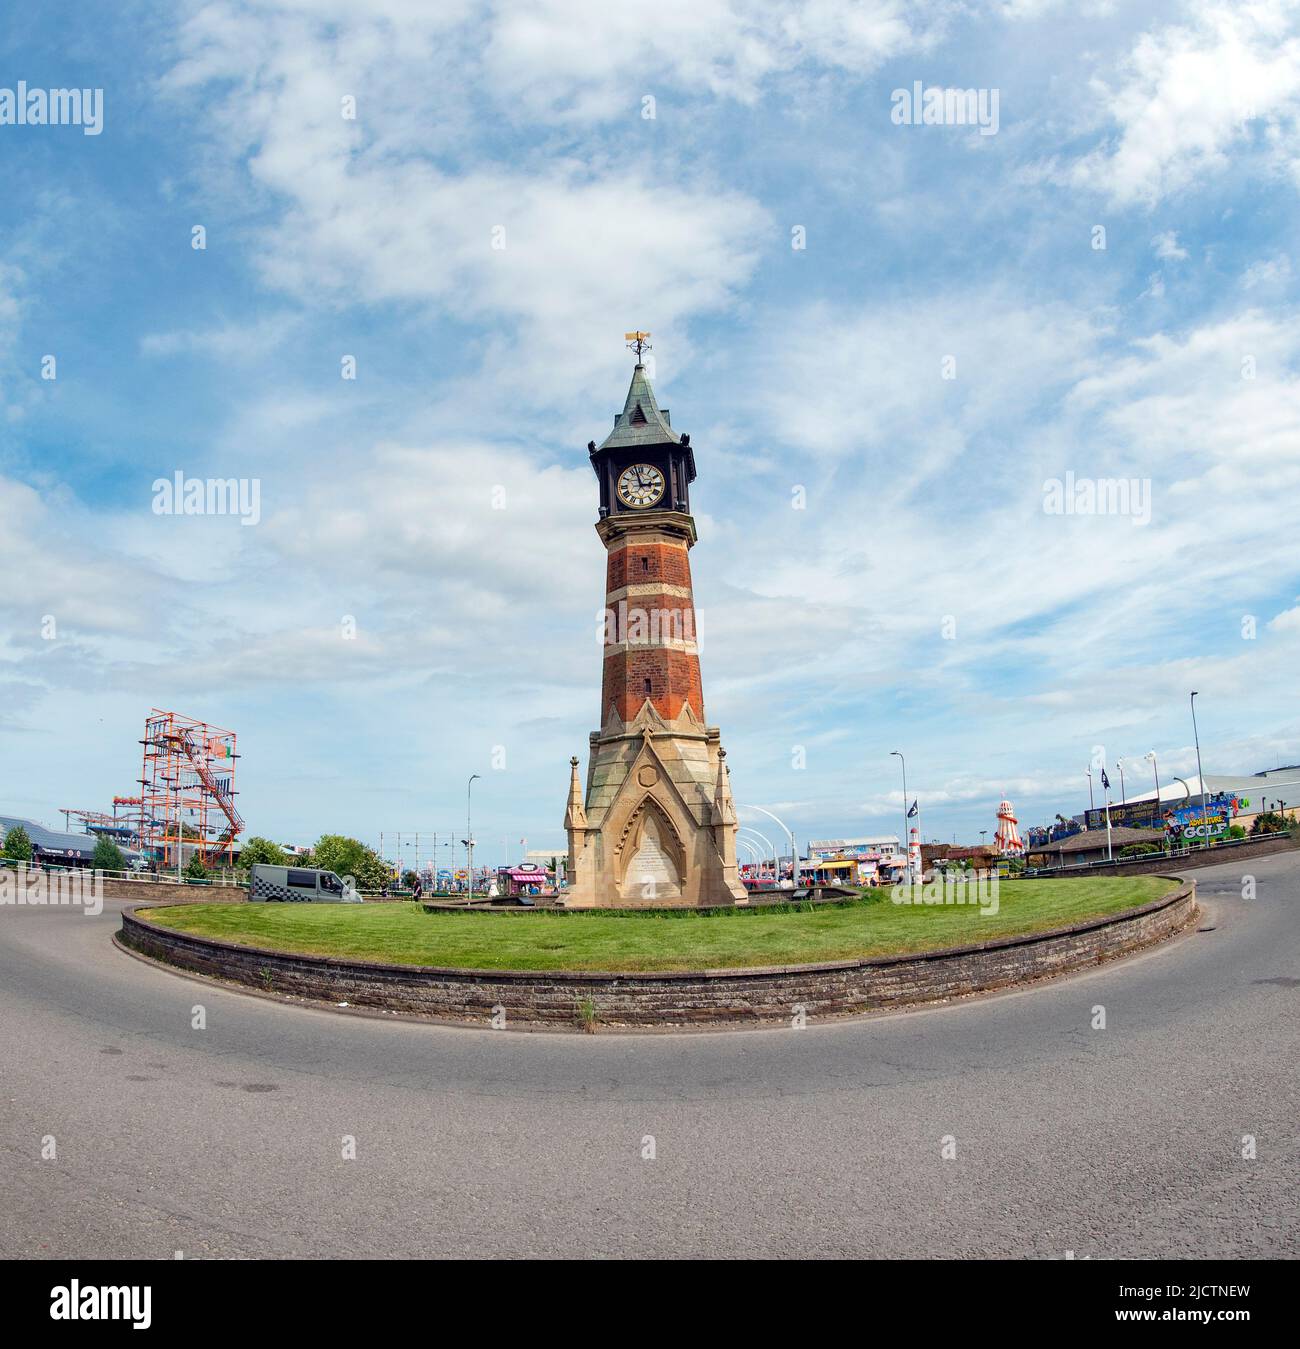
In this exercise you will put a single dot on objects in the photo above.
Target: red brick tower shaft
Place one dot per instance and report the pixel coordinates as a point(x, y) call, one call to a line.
point(650, 630)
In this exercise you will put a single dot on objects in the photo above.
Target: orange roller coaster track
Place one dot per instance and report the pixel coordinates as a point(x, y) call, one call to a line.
point(187, 788)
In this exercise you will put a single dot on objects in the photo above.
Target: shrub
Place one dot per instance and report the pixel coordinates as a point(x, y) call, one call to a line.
point(1139, 849)
point(18, 845)
point(194, 868)
point(107, 856)
point(258, 849)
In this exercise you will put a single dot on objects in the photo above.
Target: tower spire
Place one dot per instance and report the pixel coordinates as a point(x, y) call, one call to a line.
point(575, 816)
point(724, 808)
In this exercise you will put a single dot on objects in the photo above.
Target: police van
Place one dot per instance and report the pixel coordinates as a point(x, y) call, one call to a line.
point(296, 885)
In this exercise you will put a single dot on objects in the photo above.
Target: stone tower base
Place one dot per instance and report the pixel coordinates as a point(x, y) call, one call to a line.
point(656, 826)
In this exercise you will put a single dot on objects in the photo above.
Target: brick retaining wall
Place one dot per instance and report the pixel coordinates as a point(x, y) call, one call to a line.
point(699, 997)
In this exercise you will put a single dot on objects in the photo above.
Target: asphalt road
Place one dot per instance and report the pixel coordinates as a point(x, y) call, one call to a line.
point(227, 1141)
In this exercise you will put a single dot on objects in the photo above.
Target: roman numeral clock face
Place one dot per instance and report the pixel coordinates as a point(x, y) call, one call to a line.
point(640, 485)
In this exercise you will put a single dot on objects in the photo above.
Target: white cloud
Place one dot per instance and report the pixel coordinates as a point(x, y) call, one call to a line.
point(1191, 96)
point(1267, 272)
point(588, 60)
point(1167, 247)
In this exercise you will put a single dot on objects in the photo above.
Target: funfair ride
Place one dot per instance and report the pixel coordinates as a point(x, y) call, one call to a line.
point(1007, 838)
point(188, 789)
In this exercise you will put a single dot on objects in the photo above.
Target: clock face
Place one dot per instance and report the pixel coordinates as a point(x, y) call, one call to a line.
point(640, 485)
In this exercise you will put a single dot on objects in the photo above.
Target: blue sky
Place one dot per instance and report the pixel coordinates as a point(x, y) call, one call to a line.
point(924, 600)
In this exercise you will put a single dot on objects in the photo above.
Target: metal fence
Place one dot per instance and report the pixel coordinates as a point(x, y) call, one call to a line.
point(223, 877)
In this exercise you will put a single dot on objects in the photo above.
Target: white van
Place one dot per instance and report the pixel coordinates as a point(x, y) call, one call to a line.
point(296, 885)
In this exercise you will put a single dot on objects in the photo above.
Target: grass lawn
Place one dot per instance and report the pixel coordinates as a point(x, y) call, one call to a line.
point(403, 934)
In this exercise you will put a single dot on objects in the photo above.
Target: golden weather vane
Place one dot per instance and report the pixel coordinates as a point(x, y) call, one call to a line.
point(637, 342)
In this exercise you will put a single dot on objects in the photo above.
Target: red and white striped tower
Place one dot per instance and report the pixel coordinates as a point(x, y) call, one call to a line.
point(1007, 838)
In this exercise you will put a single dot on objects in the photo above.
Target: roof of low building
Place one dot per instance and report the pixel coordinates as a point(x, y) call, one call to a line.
point(1120, 836)
point(50, 840)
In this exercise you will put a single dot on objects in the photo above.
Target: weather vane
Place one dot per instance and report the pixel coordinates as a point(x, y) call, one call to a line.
point(637, 342)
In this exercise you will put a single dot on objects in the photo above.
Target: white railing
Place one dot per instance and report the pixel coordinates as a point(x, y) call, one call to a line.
point(224, 877)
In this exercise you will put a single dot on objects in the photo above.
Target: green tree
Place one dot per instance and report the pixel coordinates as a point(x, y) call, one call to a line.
point(194, 868)
point(262, 850)
point(107, 856)
point(18, 845)
point(348, 857)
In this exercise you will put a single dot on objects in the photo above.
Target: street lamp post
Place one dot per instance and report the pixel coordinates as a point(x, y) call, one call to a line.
point(907, 851)
point(775, 865)
point(1151, 754)
point(794, 849)
point(1123, 795)
point(469, 838)
point(1092, 805)
point(1205, 823)
point(753, 855)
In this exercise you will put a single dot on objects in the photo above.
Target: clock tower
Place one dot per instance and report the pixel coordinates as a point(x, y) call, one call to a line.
point(656, 824)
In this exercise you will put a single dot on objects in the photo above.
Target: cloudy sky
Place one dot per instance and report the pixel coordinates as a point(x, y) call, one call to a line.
point(875, 414)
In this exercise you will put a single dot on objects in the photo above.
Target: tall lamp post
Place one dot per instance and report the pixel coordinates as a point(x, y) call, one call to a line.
point(1123, 794)
point(1196, 736)
point(469, 837)
point(753, 855)
point(794, 850)
point(907, 851)
point(1155, 768)
point(770, 848)
point(1092, 805)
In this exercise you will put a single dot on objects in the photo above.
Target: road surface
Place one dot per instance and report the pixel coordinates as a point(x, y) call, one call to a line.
point(228, 1141)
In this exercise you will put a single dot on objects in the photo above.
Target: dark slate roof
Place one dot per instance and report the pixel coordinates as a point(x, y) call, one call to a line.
point(54, 840)
point(1120, 836)
point(641, 422)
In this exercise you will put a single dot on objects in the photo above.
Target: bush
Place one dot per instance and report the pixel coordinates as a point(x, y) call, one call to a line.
point(194, 868)
point(348, 857)
point(107, 856)
point(1270, 822)
point(18, 845)
point(1236, 831)
point(1139, 849)
point(259, 849)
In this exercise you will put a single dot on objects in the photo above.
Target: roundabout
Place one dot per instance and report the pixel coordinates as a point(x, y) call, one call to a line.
point(224, 1142)
point(884, 951)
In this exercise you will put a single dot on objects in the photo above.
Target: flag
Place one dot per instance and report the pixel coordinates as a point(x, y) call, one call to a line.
point(912, 811)
point(1105, 781)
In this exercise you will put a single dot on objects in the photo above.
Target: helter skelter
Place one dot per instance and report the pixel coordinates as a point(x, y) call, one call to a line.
point(1007, 839)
